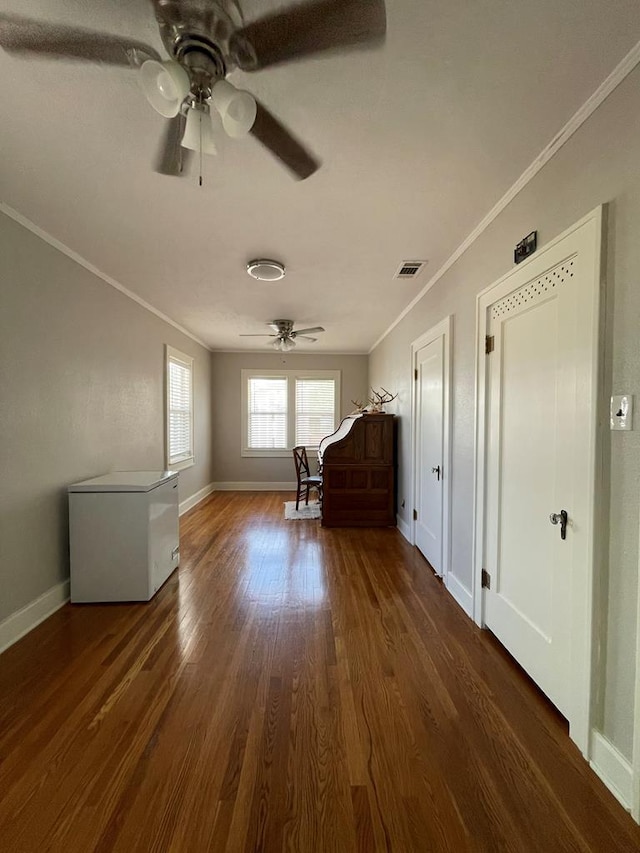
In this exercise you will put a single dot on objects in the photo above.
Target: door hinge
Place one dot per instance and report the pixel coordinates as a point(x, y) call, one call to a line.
point(489, 344)
point(415, 374)
point(486, 579)
point(415, 515)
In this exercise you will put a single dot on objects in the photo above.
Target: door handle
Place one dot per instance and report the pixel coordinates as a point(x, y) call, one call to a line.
point(560, 518)
point(436, 470)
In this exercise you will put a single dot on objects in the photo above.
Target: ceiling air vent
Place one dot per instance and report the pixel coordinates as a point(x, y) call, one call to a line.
point(410, 269)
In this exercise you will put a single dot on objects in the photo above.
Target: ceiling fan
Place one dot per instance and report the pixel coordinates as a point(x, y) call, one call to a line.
point(285, 335)
point(205, 40)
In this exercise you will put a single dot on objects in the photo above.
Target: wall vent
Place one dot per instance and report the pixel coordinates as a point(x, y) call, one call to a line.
point(410, 269)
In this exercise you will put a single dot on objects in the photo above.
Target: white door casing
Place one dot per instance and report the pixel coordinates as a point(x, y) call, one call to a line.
point(635, 768)
point(537, 423)
point(430, 440)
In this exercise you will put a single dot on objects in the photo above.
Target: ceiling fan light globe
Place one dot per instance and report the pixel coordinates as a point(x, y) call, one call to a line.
point(240, 117)
point(199, 131)
point(165, 85)
point(284, 344)
point(237, 108)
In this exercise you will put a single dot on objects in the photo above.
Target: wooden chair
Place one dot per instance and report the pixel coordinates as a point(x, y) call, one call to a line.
point(306, 481)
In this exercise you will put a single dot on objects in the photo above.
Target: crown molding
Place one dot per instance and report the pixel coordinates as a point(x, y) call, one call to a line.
point(619, 73)
point(83, 262)
point(272, 351)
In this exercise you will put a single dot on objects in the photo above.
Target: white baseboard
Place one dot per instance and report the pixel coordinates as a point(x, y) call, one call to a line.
point(15, 626)
point(460, 593)
point(612, 767)
point(244, 486)
point(24, 620)
point(404, 528)
point(189, 503)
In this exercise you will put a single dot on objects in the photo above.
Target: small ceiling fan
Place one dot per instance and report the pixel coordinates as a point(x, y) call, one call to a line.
point(206, 40)
point(285, 335)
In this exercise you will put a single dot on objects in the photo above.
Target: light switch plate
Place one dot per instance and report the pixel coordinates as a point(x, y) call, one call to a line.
point(622, 412)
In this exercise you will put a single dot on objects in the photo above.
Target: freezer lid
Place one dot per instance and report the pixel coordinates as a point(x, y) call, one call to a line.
point(125, 481)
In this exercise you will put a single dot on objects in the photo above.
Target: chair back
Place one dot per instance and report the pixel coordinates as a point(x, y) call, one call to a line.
point(301, 462)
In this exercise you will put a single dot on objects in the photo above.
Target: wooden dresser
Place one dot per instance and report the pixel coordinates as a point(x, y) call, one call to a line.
point(358, 470)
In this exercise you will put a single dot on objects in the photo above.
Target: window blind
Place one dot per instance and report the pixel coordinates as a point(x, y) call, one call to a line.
point(180, 410)
point(315, 410)
point(267, 412)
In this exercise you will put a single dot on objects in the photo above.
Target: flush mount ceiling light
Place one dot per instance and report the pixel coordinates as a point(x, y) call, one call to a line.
point(266, 270)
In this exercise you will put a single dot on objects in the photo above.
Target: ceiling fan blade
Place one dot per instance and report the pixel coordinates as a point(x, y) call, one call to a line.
point(298, 332)
point(310, 28)
point(28, 36)
point(262, 335)
point(282, 144)
point(172, 158)
point(168, 10)
point(305, 338)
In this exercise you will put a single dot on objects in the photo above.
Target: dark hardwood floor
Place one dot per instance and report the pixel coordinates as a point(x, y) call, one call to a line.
point(290, 688)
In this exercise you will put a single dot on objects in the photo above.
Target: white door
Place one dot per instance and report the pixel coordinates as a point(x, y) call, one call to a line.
point(540, 460)
point(430, 451)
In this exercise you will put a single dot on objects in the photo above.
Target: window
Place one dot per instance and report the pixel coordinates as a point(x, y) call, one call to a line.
point(267, 412)
point(179, 406)
point(315, 410)
point(282, 409)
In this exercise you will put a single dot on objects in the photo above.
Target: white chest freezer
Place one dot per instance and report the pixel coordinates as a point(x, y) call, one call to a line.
point(123, 532)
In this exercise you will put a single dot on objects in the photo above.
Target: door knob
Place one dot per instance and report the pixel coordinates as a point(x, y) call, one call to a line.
point(560, 518)
point(436, 470)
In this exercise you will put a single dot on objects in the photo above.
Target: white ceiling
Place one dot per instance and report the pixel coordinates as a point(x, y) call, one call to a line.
point(418, 140)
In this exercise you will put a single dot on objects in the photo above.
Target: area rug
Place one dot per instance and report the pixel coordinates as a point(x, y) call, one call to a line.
point(312, 510)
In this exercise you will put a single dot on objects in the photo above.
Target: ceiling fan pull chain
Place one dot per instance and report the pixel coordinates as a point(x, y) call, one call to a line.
point(200, 126)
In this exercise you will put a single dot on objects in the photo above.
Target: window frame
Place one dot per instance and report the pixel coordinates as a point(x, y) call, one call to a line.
point(290, 376)
point(179, 464)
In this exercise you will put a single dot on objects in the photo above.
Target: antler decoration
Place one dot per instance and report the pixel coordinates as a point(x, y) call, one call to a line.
point(378, 400)
point(360, 407)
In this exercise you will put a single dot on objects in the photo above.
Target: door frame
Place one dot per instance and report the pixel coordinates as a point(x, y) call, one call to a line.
point(635, 750)
point(443, 329)
point(582, 628)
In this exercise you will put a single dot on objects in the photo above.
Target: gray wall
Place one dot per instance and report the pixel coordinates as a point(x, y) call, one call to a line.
point(599, 164)
point(229, 466)
point(81, 393)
